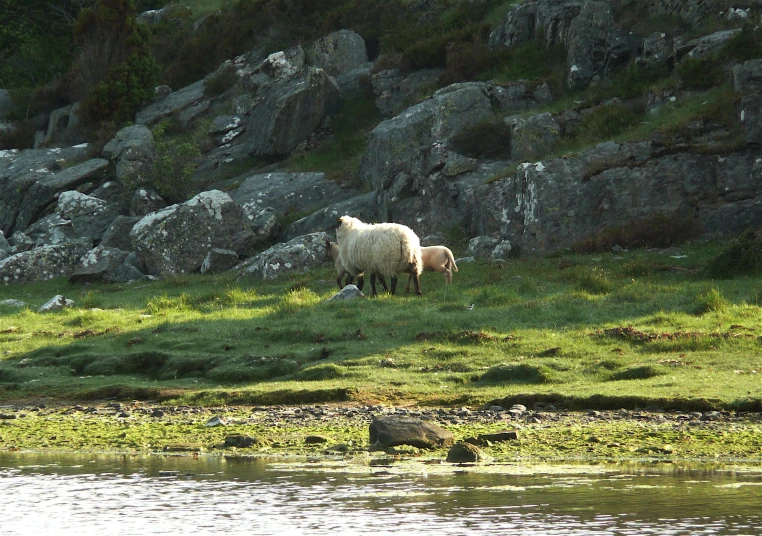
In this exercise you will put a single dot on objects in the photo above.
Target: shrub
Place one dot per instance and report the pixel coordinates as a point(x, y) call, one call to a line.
point(701, 73)
point(656, 231)
point(742, 257)
point(711, 301)
point(220, 82)
point(18, 136)
point(491, 138)
point(607, 121)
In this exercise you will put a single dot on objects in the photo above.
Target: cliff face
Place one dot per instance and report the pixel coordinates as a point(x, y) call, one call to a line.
point(637, 126)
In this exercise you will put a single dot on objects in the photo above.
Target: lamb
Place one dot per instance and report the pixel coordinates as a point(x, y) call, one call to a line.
point(381, 249)
point(437, 259)
point(332, 250)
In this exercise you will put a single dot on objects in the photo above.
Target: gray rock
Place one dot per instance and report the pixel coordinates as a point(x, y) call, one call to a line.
point(90, 216)
point(219, 260)
point(396, 91)
point(97, 264)
point(176, 240)
point(129, 270)
point(5, 247)
point(349, 292)
point(118, 233)
point(56, 303)
point(6, 104)
point(690, 11)
point(262, 221)
point(502, 250)
point(706, 45)
point(363, 207)
point(512, 98)
point(523, 21)
point(132, 151)
point(299, 255)
point(392, 431)
point(42, 264)
point(656, 49)
point(465, 453)
point(533, 136)
point(747, 77)
point(457, 164)
point(111, 191)
point(14, 303)
point(339, 52)
point(49, 230)
point(288, 193)
point(145, 201)
point(225, 128)
point(356, 81)
point(20, 242)
point(57, 123)
point(542, 93)
point(750, 114)
point(173, 104)
point(481, 247)
point(152, 17)
point(241, 441)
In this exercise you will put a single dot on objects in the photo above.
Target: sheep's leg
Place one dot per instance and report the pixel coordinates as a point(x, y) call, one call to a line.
point(373, 285)
point(409, 280)
point(394, 284)
point(360, 281)
point(417, 281)
point(448, 277)
point(383, 282)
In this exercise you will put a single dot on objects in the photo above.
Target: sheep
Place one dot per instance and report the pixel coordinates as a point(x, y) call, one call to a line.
point(437, 259)
point(382, 249)
point(332, 250)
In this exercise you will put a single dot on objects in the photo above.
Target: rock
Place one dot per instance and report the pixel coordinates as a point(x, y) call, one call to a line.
point(315, 440)
point(6, 104)
point(392, 431)
point(481, 247)
point(339, 52)
point(225, 128)
point(215, 421)
point(499, 437)
point(219, 260)
point(457, 164)
point(129, 270)
point(711, 416)
point(132, 150)
point(263, 222)
point(98, 264)
point(750, 114)
point(118, 233)
point(464, 453)
point(177, 239)
point(656, 49)
point(291, 111)
point(513, 98)
point(240, 441)
point(356, 81)
point(49, 230)
point(533, 136)
point(522, 22)
point(111, 191)
point(349, 292)
point(364, 207)
point(299, 255)
point(747, 77)
point(56, 303)
point(21, 242)
point(145, 201)
point(396, 91)
point(90, 216)
point(173, 104)
point(706, 45)
point(5, 247)
point(44, 263)
point(689, 11)
point(14, 303)
point(24, 197)
point(502, 250)
point(288, 193)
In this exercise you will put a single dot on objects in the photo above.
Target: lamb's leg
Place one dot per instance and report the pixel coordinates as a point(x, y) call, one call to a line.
point(394, 284)
point(448, 277)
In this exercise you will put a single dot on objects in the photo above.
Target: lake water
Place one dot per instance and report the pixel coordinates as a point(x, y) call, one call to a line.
point(129, 495)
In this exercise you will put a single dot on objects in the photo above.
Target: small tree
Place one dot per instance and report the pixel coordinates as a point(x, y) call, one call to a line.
point(115, 71)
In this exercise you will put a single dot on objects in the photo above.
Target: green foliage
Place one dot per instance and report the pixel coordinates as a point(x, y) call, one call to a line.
point(491, 139)
point(521, 373)
point(743, 256)
point(117, 82)
point(328, 371)
point(607, 121)
point(220, 82)
point(176, 161)
point(710, 302)
point(700, 73)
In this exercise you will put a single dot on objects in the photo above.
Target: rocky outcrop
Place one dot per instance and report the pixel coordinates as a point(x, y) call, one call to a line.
point(299, 255)
point(177, 239)
point(98, 264)
point(89, 216)
point(396, 90)
point(132, 150)
point(42, 264)
point(339, 52)
point(364, 207)
point(392, 431)
point(175, 104)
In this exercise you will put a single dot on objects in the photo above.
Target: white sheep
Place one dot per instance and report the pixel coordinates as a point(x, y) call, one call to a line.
point(437, 259)
point(332, 250)
point(381, 249)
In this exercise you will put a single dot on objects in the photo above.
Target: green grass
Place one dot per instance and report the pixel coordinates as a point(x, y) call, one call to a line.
point(583, 329)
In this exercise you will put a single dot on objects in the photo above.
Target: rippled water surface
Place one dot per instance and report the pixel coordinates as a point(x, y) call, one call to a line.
point(123, 495)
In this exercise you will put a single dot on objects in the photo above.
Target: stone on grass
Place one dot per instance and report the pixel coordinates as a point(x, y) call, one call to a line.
point(56, 303)
point(349, 292)
point(464, 453)
point(392, 431)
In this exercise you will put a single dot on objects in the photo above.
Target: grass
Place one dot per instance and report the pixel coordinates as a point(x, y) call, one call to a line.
point(581, 329)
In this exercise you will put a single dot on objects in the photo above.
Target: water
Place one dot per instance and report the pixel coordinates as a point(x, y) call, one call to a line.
point(124, 495)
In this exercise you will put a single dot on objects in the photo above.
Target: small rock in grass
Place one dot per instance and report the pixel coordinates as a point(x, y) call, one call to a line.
point(464, 453)
point(240, 441)
point(315, 440)
point(215, 421)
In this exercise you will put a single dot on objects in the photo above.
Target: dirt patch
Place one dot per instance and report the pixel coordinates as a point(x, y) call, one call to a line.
point(462, 336)
point(631, 334)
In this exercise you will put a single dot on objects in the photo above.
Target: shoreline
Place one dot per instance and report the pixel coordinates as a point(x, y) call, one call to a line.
point(545, 434)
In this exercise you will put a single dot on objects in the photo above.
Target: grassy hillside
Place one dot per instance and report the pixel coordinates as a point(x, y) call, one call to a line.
point(600, 330)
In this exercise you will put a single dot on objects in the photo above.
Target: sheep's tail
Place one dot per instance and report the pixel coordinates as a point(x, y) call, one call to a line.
point(451, 259)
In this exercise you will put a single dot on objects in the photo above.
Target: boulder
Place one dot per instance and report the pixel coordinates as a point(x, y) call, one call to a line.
point(89, 216)
point(173, 104)
point(533, 136)
point(97, 264)
point(42, 264)
point(339, 52)
point(144, 201)
point(56, 303)
point(50, 230)
point(391, 431)
point(219, 260)
point(513, 98)
point(292, 107)
point(177, 239)
point(481, 247)
point(396, 90)
point(225, 128)
point(363, 207)
point(111, 191)
point(5, 247)
point(522, 22)
point(14, 303)
point(356, 81)
point(465, 453)
point(129, 270)
point(750, 114)
point(289, 193)
point(118, 233)
point(132, 150)
point(20, 242)
point(706, 45)
point(747, 76)
point(299, 255)
point(349, 292)
point(263, 222)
